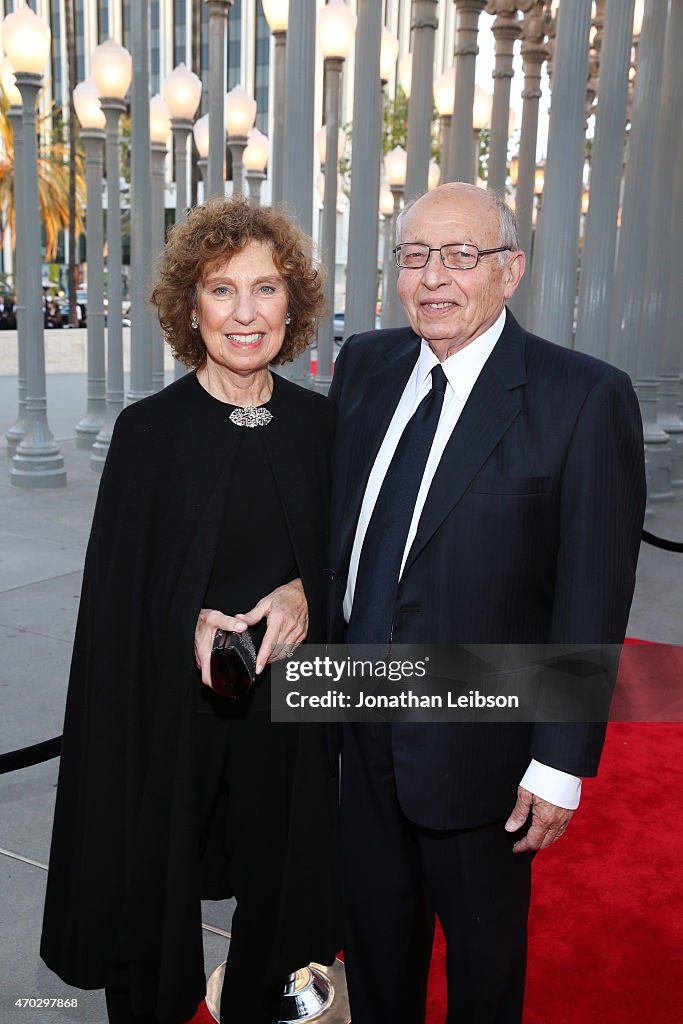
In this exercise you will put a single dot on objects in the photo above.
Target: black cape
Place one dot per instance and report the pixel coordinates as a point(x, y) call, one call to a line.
point(124, 883)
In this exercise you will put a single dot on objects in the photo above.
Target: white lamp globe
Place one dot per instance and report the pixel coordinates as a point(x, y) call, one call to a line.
point(112, 69)
point(8, 82)
point(388, 54)
point(277, 14)
point(336, 29)
point(257, 151)
point(200, 130)
point(405, 73)
point(159, 120)
point(481, 109)
point(395, 166)
point(386, 201)
point(444, 92)
point(26, 39)
point(434, 175)
point(182, 91)
point(240, 111)
point(87, 104)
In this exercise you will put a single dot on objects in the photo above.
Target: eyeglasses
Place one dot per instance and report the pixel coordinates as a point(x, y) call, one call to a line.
point(454, 256)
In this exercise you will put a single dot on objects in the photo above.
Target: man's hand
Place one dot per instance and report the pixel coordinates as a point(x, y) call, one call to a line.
point(548, 822)
point(286, 610)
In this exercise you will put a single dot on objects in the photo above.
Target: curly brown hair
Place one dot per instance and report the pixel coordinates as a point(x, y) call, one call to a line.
point(212, 234)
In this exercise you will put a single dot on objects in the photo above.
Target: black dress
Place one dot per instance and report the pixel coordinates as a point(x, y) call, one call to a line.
point(137, 841)
point(245, 763)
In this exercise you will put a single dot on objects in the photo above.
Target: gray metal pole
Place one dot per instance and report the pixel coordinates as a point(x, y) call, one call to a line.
point(392, 311)
point(89, 427)
point(629, 277)
point(600, 237)
point(16, 432)
point(506, 30)
point(333, 71)
point(297, 165)
point(238, 144)
point(140, 209)
point(387, 259)
point(37, 461)
point(361, 270)
point(181, 132)
point(424, 23)
point(662, 251)
point(446, 121)
point(671, 355)
point(112, 108)
point(218, 20)
point(534, 52)
point(159, 153)
point(554, 273)
point(255, 180)
point(466, 50)
point(279, 86)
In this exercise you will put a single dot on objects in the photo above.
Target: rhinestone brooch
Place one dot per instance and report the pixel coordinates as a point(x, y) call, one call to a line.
point(257, 416)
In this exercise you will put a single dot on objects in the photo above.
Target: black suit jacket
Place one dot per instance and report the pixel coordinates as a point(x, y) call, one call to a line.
point(529, 534)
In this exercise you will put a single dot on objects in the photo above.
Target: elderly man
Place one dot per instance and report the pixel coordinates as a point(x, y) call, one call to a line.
point(489, 488)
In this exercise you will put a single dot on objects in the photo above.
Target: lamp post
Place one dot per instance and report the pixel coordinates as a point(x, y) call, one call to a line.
point(361, 264)
point(277, 16)
point(200, 132)
point(89, 113)
point(460, 159)
point(481, 117)
point(534, 53)
point(336, 28)
point(37, 461)
point(13, 97)
point(112, 69)
point(142, 321)
point(255, 158)
point(240, 114)
point(444, 100)
point(386, 209)
point(182, 92)
point(395, 170)
point(424, 23)
point(159, 131)
point(218, 20)
point(506, 30)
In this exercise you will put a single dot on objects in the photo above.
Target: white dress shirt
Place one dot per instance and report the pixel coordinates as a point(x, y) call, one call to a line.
point(462, 370)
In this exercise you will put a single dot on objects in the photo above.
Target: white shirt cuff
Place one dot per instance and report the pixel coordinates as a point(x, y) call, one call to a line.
point(551, 784)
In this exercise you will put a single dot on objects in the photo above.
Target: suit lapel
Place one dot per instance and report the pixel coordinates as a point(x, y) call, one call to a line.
point(382, 390)
point(495, 401)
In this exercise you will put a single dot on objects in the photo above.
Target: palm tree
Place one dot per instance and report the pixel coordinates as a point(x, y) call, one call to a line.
point(53, 183)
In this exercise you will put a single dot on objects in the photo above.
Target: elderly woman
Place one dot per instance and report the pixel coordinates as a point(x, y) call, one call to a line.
point(211, 516)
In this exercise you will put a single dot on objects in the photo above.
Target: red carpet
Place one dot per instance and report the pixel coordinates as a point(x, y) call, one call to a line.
point(606, 923)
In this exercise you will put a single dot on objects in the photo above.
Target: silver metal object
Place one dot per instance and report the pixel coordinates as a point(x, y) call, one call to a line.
point(257, 416)
point(16, 432)
point(312, 993)
point(218, 20)
point(459, 164)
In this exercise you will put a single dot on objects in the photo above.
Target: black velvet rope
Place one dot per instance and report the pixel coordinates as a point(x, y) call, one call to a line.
point(660, 542)
point(13, 760)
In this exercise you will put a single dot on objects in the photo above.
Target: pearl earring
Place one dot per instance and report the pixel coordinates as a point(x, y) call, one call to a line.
point(194, 322)
point(288, 319)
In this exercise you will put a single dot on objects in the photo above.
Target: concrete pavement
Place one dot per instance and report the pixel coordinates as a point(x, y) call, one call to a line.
point(42, 542)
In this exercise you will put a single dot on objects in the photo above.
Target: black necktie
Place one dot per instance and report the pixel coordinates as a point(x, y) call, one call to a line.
point(381, 555)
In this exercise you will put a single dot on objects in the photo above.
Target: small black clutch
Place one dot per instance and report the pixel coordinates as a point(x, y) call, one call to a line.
point(233, 661)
